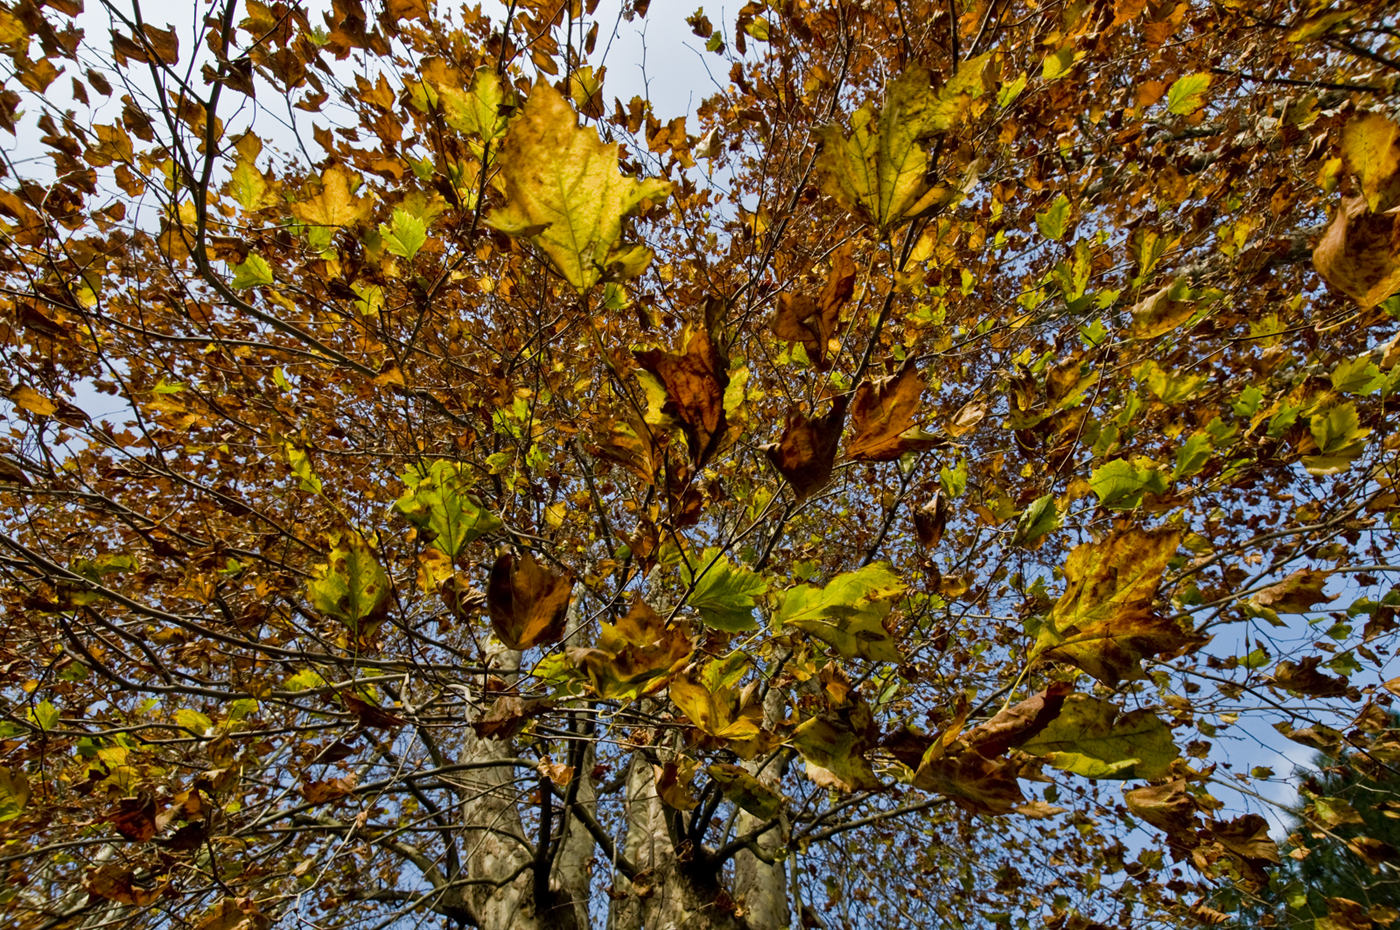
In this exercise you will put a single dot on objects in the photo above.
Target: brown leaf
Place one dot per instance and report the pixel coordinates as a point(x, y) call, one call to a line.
point(164, 43)
point(974, 782)
point(328, 789)
point(134, 818)
point(1018, 724)
point(883, 418)
point(1304, 678)
point(557, 772)
point(695, 384)
point(1344, 914)
point(1297, 593)
point(1246, 840)
point(528, 604)
point(1373, 851)
point(673, 784)
point(806, 454)
point(117, 882)
point(1104, 622)
point(815, 323)
point(930, 520)
point(371, 716)
point(1359, 254)
point(235, 914)
point(507, 716)
point(1170, 808)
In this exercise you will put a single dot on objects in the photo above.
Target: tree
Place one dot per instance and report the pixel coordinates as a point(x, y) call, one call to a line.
point(1342, 839)
point(438, 490)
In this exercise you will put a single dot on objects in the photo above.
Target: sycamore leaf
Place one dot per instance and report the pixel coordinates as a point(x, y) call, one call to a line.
point(1371, 150)
point(1163, 312)
point(1038, 520)
point(1358, 254)
point(564, 192)
point(528, 604)
point(673, 783)
point(1299, 593)
point(837, 743)
point(235, 914)
point(716, 712)
point(1104, 622)
point(247, 185)
point(722, 593)
point(477, 110)
point(334, 205)
point(1357, 375)
point(351, 587)
point(1188, 94)
point(508, 715)
point(750, 794)
point(848, 612)
point(1170, 808)
point(117, 882)
point(255, 272)
point(975, 782)
point(633, 657)
point(883, 418)
point(405, 236)
point(1090, 738)
point(14, 793)
point(694, 386)
point(880, 171)
point(806, 454)
point(1053, 220)
point(439, 504)
point(1120, 485)
point(815, 323)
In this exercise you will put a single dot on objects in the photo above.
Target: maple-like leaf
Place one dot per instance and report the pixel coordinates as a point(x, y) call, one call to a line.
point(334, 205)
point(848, 612)
point(694, 385)
point(1104, 622)
point(975, 782)
point(528, 604)
point(1299, 593)
point(1169, 807)
point(880, 171)
point(1089, 737)
point(723, 593)
point(352, 586)
point(746, 791)
point(806, 454)
point(564, 192)
point(883, 417)
point(837, 743)
point(717, 710)
point(440, 504)
point(633, 657)
point(478, 109)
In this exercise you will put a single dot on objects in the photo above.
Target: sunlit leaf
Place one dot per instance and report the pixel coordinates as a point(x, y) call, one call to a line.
point(1091, 738)
point(848, 613)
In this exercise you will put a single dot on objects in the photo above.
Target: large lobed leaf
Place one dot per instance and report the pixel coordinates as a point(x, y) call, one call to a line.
point(564, 192)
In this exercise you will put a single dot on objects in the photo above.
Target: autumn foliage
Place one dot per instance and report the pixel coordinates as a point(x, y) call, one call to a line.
point(904, 490)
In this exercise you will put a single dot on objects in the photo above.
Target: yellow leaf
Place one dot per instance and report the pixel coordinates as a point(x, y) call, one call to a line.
point(31, 400)
point(1371, 149)
point(334, 205)
point(564, 192)
point(1104, 622)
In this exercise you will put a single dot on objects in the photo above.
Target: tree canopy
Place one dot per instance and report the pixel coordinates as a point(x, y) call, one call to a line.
point(441, 488)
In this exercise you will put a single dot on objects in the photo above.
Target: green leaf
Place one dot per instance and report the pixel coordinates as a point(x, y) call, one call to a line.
point(847, 613)
point(45, 716)
point(1357, 376)
point(1192, 456)
point(1037, 520)
point(1089, 738)
point(723, 594)
point(477, 110)
point(746, 791)
point(563, 191)
point(1011, 90)
point(255, 272)
point(1337, 429)
point(351, 587)
point(880, 171)
point(1059, 63)
point(439, 503)
point(1188, 94)
point(406, 236)
point(1052, 221)
point(1120, 485)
